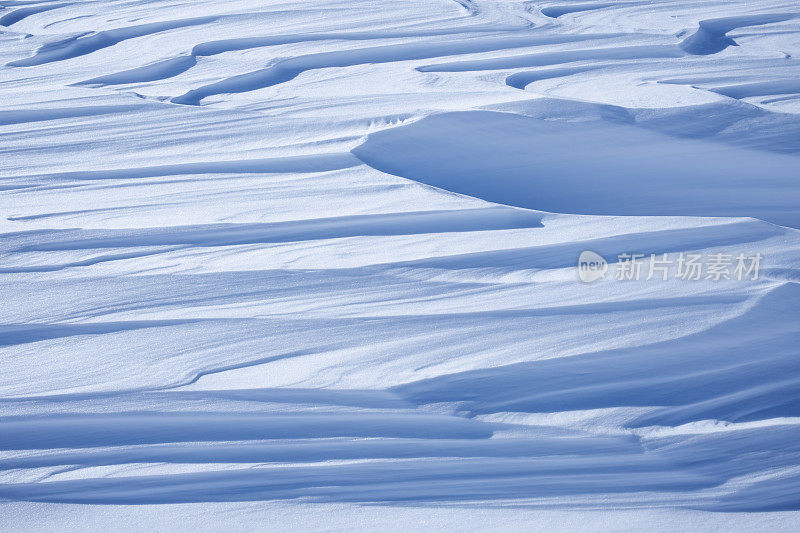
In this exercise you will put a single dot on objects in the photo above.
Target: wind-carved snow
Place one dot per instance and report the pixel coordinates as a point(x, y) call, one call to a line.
point(278, 260)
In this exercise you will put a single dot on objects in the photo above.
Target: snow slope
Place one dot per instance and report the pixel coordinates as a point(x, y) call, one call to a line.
point(313, 265)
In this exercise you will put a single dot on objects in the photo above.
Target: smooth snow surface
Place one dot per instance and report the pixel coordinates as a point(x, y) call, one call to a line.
point(312, 265)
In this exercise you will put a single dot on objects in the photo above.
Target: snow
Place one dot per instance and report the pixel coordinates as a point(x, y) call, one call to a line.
point(312, 266)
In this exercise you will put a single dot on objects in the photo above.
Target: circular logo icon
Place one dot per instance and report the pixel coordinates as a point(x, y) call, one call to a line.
point(591, 266)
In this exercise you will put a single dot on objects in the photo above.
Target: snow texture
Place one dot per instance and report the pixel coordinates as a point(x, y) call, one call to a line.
point(312, 265)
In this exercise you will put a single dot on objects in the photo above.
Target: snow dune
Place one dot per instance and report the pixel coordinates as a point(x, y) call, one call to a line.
point(711, 36)
point(82, 45)
point(321, 270)
point(661, 175)
point(289, 69)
